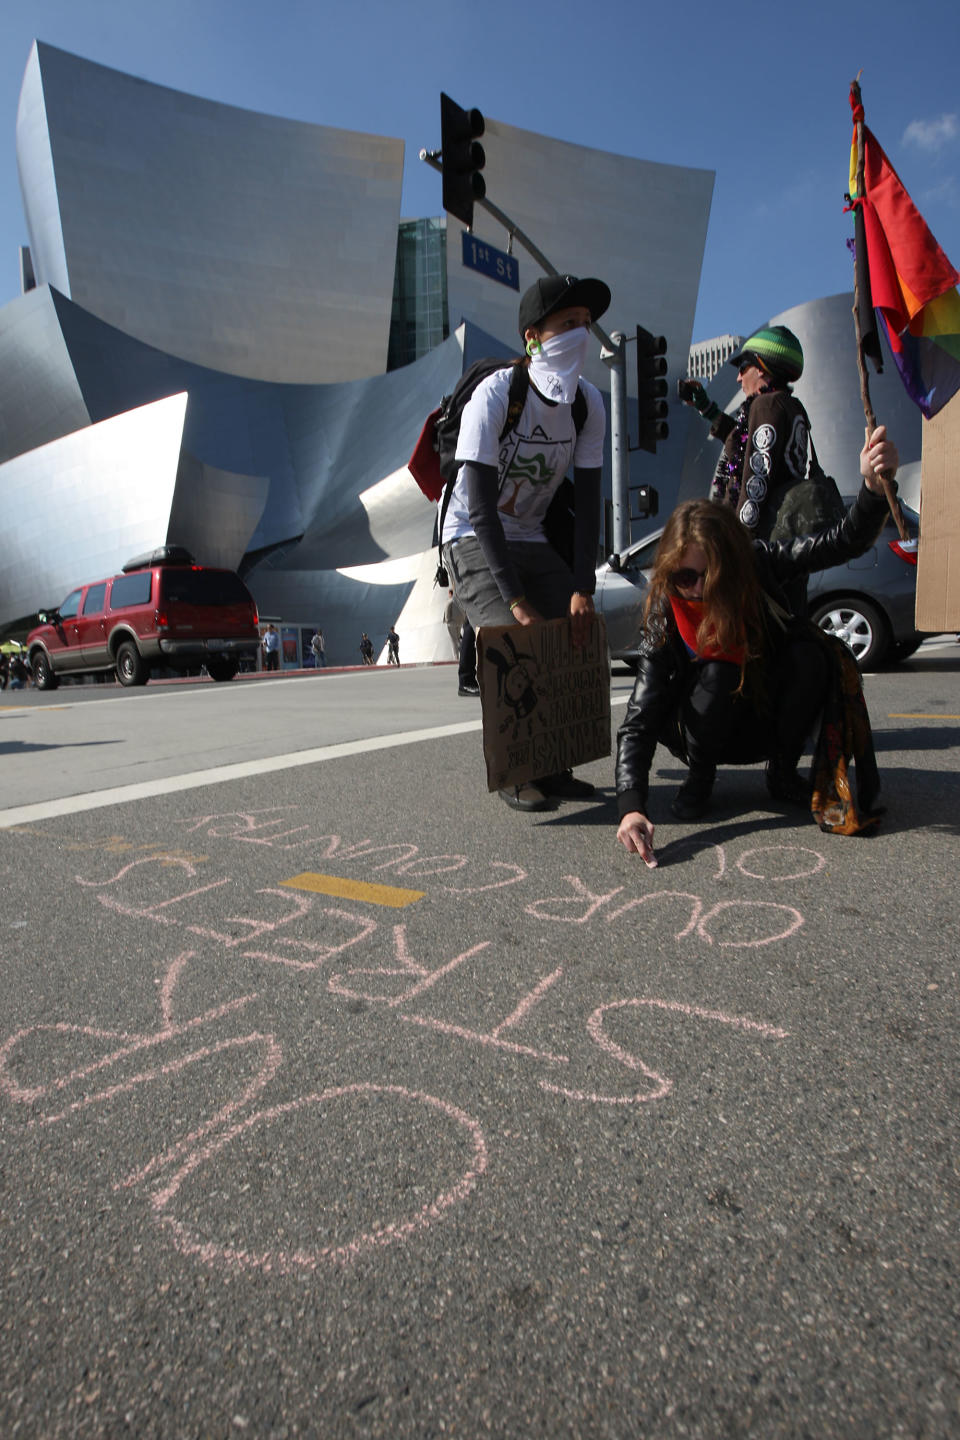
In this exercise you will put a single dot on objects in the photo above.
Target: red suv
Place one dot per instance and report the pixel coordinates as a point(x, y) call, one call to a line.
point(163, 610)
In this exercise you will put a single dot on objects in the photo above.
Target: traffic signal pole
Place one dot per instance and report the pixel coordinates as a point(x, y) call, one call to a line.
point(614, 356)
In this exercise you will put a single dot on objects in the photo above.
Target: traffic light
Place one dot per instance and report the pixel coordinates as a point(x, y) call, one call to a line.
point(647, 502)
point(462, 159)
point(651, 389)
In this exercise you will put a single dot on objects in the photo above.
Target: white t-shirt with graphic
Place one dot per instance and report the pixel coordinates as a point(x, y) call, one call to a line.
point(533, 459)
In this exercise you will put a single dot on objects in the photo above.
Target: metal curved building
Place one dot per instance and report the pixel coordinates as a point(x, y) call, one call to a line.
point(638, 224)
point(180, 247)
point(290, 484)
point(240, 241)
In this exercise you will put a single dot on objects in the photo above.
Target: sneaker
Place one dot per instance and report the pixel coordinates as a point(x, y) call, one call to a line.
point(471, 690)
point(785, 785)
point(693, 798)
point(524, 797)
point(566, 786)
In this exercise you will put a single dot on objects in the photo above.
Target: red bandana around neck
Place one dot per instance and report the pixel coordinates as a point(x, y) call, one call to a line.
point(688, 614)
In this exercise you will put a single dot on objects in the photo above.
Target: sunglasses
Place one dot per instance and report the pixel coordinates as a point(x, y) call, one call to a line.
point(686, 578)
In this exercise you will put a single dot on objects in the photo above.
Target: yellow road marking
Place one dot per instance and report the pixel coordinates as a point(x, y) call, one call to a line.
point(354, 889)
point(896, 716)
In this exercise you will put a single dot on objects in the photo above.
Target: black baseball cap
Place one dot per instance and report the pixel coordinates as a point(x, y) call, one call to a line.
point(558, 292)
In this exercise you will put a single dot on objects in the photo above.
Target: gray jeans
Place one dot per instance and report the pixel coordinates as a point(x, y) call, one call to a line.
point(544, 580)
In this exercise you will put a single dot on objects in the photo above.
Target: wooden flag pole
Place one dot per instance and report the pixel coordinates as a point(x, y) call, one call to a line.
point(886, 476)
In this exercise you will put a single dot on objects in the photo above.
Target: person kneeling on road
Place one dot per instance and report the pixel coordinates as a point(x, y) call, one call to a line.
point(726, 674)
point(503, 568)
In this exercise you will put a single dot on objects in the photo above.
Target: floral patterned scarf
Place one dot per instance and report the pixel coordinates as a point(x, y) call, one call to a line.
point(845, 736)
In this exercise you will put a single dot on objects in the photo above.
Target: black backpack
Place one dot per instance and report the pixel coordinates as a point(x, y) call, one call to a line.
point(434, 465)
point(446, 431)
point(810, 504)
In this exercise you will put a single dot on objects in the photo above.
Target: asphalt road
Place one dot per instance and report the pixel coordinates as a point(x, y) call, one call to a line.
point(337, 1099)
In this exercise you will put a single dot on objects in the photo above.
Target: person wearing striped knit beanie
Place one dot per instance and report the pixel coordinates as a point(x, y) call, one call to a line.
point(765, 442)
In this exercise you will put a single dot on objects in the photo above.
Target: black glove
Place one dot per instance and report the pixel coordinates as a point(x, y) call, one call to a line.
point(691, 392)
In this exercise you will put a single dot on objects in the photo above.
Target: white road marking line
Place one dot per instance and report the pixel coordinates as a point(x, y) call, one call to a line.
point(194, 780)
point(123, 794)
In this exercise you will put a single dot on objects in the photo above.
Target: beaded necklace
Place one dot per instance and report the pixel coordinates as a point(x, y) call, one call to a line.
point(725, 484)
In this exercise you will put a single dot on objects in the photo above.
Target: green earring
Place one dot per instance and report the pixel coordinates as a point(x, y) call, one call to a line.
point(532, 347)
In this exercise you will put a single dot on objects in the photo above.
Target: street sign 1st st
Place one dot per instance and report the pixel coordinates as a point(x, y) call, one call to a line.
point(488, 260)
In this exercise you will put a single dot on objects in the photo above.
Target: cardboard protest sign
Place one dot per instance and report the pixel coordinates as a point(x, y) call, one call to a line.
point(546, 704)
point(938, 575)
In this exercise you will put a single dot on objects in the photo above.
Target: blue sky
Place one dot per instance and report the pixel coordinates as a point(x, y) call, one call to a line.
point(757, 93)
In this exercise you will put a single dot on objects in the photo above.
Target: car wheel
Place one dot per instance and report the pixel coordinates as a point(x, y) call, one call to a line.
point(859, 625)
point(130, 667)
point(43, 676)
point(222, 669)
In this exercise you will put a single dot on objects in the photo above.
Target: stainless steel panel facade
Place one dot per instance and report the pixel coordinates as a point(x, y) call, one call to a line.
point(300, 480)
point(638, 225)
point(40, 396)
point(80, 507)
point(255, 245)
point(215, 512)
point(38, 183)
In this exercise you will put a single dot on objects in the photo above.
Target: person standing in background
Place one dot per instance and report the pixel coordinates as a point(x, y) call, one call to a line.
point(271, 648)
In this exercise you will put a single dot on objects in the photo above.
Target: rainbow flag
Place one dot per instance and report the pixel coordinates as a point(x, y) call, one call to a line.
point(911, 281)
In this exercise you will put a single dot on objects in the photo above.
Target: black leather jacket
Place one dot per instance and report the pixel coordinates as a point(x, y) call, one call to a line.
point(665, 669)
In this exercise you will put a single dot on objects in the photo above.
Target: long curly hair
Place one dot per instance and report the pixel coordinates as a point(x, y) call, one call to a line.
point(732, 597)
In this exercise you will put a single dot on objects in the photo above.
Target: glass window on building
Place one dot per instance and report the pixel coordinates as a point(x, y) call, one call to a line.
point(419, 319)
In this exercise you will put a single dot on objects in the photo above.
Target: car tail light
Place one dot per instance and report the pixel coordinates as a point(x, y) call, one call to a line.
point(906, 549)
point(160, 617)
point(256, 616)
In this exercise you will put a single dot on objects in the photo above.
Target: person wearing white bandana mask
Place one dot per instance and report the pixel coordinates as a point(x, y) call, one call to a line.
point(503, 568)
point(557, 363)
